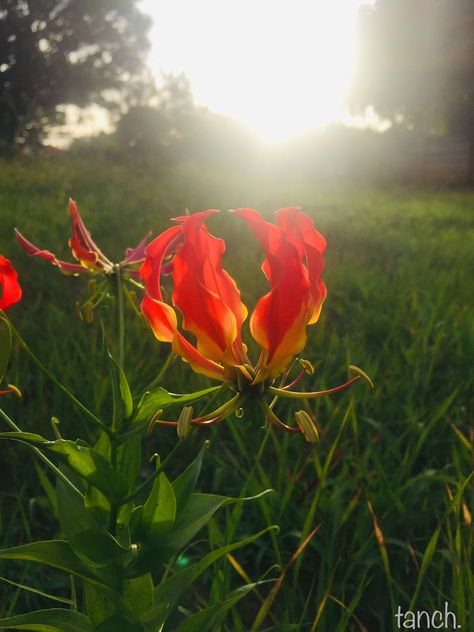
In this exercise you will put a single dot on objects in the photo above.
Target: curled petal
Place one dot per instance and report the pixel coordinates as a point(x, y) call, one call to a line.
point(279, 320)
point(162, 318)
point(34, 251)
point(198, 362)
point(137, 254)
point(156, 251)
point(10, 290)
point(82, 245)
point(206, 295)
point(299, 229)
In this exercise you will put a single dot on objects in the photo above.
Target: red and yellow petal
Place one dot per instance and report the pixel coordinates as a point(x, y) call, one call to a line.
point(279, 320)
point(156, 251)
point(162, 318)
point(10, 289)
point(199, 363)
point(206, 295)
point(82, 245)
point(33, 251)
point(299, 229)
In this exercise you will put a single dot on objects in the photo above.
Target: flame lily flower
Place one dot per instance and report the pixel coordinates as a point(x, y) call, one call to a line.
point(211, 309)
point(10, 289)
point(91, 259)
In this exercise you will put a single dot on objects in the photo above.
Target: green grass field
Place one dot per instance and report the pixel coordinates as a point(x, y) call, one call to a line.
point(388, 484)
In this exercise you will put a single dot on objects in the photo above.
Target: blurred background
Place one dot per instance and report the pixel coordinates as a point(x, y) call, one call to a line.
point(383, 88)
point(362, 113)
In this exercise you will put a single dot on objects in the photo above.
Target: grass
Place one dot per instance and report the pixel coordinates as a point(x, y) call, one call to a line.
point(387, 486)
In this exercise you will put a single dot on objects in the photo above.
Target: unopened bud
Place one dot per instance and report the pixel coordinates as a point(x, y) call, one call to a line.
point(184, 422)
point(307, 426)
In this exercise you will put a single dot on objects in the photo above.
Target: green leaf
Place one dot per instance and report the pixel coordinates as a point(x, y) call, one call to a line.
point(160, 509)
point(52, 620)
point(48, 488)
point(129, 461)
point(126, 393)
point(210, 618)
point(97, 547)
point(152, 401)
point(99, 606)
point(138, 592)
point(5, 345)
point(26, 437)
point(199, 510)
point(169, 592)
point(118, 623)
point(91, 466)
point(83, 460)
point(72, 514)
point(184, 485)
point(58, 554)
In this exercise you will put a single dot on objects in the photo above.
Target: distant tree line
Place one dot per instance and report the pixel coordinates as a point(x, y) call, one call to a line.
point(55, 52)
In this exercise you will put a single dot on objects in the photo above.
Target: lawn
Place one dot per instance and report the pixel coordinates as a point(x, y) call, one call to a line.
point(388, 484)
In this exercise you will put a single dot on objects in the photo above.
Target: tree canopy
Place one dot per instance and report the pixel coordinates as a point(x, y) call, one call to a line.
point(55, 52)
point(416, 63)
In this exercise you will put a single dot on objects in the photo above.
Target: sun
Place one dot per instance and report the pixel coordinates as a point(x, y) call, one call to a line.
point(281, 67)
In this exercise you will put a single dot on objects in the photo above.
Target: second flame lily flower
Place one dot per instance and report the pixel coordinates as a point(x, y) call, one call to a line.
point(212, 311)
point(91, 259)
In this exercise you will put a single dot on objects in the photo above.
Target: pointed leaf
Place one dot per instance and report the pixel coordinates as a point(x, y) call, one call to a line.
point(97, 547)
point(184, 485)
point(73, 516)
point(139, 593)
point(159, 515)
point(170, 591)
point(51, 620)
point(210, 618)
point(82, 459)
point(59, 554)
point(152, 401)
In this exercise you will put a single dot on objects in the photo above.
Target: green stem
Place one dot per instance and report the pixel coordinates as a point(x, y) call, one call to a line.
point(121, 321)
point(168, 362)
point(42, 456)
point(114, 506)
point(53, 379)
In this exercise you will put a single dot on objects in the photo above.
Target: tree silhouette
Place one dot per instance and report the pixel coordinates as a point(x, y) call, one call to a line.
point(415, 63)
point(55, 52)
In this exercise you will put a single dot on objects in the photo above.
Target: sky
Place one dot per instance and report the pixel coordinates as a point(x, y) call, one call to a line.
point(280, 66)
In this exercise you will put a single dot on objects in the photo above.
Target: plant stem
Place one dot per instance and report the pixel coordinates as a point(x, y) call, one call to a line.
point(64, 389)
point(121, 321)
point(168, 362)
point(114, 505)
point(42, 456)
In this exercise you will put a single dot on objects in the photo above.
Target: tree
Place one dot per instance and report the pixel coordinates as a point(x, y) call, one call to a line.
point(55, 52)
point(415, 63)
